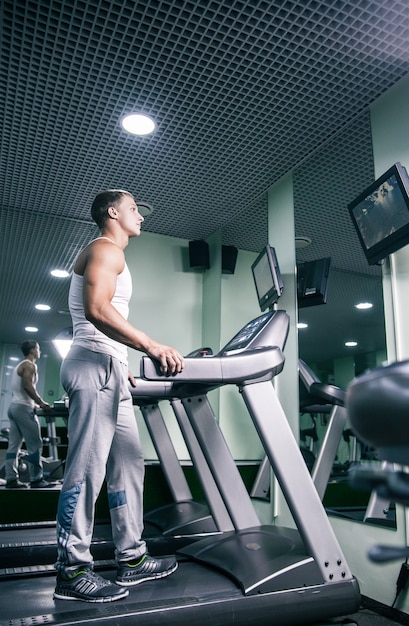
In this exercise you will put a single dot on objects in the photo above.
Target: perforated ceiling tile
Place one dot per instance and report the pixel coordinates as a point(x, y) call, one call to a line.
point(242, 92)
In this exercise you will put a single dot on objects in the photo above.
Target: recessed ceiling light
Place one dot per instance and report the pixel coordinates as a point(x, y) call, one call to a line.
point(31, 329)
point(302, 242)
point(302, 325)
point(364, 305)
point(42, 307)
point(144, 208)
point(351, 344)
point(138, 124)
point(60, 273)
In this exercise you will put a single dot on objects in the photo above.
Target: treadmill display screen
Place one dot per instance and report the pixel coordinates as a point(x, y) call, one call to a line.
point(247, 333)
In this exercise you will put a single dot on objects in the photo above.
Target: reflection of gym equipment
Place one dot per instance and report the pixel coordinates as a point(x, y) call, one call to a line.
point(332, 399)
point(53, 465)
point(309, 438)
point(378, 408)
point(354, 446)
point(251, 572)
point(322, 398)
point(315, 397)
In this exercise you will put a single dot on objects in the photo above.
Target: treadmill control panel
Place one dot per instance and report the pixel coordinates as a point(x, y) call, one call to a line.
point(247, 334)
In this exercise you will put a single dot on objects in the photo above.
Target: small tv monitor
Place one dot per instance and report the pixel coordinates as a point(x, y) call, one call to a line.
point(380, 214)
point(312, 282)
point(267, 278)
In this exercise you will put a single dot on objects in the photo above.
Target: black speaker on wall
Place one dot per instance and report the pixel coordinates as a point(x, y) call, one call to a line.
point(229, 258)
point(199, 254)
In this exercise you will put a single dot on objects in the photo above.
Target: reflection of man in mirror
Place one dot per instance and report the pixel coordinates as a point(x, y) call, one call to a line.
point(24, 424)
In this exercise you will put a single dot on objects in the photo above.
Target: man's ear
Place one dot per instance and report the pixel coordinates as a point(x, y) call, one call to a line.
point(112, 212)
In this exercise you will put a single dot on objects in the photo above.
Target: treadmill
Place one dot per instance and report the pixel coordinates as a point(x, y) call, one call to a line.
point(253, 573)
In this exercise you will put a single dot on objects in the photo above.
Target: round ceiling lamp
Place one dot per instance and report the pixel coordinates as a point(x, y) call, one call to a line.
point(138, 124)
point(302, 242)
point(59, 273)
point(144, 208)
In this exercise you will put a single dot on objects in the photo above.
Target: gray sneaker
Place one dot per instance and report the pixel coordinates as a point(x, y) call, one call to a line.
point(87, 586)
point(146, 568)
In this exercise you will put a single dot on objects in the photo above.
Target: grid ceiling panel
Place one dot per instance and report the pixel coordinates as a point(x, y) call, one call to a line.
point(242, 92)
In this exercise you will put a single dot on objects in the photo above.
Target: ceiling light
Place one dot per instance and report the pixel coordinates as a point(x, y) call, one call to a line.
point(144, 208)
point(302, 242)
point(60, 273)
point(31, 329)
point(42, 307)
point(63, 341)
point(138, 124)
point(364, 305)
point(351, 344)
point(302, 325)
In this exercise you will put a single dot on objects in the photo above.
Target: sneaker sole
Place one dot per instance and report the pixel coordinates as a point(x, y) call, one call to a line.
point(60, 596)
point(132, 583)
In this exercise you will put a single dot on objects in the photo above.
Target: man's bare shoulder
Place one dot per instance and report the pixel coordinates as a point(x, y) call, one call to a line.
point(100, 252)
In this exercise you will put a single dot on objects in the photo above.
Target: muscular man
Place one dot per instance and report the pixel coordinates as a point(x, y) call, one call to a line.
point(24, 424)
point(102, 430)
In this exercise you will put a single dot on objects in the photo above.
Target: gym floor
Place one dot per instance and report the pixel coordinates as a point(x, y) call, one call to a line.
point(372, 613)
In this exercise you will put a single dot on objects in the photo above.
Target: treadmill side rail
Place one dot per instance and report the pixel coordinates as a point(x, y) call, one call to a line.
point(295, 481)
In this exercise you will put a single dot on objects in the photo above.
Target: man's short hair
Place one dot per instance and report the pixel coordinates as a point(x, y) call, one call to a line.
point(27, 346)
point(102, 202)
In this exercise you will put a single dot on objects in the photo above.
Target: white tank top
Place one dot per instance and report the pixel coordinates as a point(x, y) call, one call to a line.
point(85, 333)
point(18, 393)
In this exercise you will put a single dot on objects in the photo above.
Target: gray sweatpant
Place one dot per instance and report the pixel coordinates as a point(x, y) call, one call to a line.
point(103, 442)
point(24, 425)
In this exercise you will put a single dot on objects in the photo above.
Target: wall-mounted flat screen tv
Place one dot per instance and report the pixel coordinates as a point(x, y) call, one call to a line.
point(380, 214)
point(267, 278)
point(312, 282)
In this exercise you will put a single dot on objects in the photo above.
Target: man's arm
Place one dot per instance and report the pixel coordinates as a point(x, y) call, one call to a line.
point(27, 371)
point(103, 265)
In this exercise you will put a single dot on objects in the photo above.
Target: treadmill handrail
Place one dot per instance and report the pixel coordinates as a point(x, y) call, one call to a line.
point(318, 390)
point(235, 369)
point(148, 390)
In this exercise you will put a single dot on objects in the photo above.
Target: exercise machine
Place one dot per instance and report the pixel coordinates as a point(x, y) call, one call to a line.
point(252, 572)
point(184, 515)
point(332, 399)
point(377, 404)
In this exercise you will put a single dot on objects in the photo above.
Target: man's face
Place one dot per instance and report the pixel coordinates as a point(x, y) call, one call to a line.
point(129, 216)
